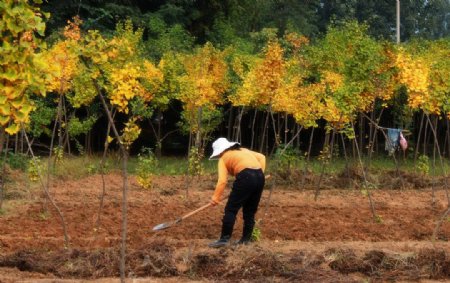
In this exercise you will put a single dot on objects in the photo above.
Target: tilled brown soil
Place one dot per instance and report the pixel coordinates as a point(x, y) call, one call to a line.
point(333, 239)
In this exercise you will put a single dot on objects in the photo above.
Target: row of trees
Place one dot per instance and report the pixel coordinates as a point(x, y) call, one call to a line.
point(291, 84)
point(284, 83)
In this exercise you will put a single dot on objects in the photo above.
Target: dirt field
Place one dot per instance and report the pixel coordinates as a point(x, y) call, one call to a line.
point(333, 239)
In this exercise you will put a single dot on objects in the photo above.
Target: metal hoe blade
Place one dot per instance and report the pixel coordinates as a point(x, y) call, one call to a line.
point(161, 226)
point(166, 225)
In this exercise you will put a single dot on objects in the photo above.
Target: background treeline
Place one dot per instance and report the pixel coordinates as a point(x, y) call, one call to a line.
point(244, 32)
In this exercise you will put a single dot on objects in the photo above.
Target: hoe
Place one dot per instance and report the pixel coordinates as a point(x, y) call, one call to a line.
point(171, 223)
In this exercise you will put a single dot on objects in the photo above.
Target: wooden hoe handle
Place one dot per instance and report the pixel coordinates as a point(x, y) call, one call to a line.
point(195, 211)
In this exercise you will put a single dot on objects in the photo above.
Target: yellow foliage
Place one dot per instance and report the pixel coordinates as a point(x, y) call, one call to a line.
point(332, 80)
point(296, 40)
point(20, 75)
point(125, 86)
point(130, 133)
point(262, 82)
point(154, 78)
point(205, 80)
point(72, 30)
point(62, 67)
point(414, 74)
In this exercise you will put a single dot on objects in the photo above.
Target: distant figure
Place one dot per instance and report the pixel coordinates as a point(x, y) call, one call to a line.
point(248, 168)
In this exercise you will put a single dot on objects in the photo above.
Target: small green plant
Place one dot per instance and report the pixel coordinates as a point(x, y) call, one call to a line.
point(423, 164)
point(195, 166)
point(378, 219)
point(44, 215)
point(59, 153)
point(256, 234)
point(34, 167)
point(325, 155)
point(79, 147)
point(92, 169)
point(146, 168)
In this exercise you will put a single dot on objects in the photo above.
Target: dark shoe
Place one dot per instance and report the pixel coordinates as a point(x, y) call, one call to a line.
point(222, 242)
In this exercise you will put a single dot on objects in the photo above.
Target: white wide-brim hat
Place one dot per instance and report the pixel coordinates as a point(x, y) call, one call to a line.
point(220, 145)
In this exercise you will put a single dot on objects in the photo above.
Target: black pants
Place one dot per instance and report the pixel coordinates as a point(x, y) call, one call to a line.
point(246, 193)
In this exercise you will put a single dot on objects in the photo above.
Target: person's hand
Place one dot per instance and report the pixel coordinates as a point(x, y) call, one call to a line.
point(214, 202)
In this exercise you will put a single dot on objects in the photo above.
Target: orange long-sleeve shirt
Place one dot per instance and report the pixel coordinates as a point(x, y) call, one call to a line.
point(234, 161)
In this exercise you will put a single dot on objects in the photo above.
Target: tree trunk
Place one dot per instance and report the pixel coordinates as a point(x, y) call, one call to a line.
point(230, 129)
point(278, 131)
point(266, 123)
point(347, 169)
point(123, 248)
point(2, 138)
point(425, 138)
point(354, 150)
point(416, 152)
point(16, 144)
point(286, 130)
point(158, 135)
point(125, 183)
point(373, 141)
point(198, 134)
point(305, 168)
point(253, 130)
point(275, 133)
point(21, 142)
point(238, 136)
point(102, 173)
point(332, 145)
point(444, 171)
point(125, 186)
point(66, 132)
point(371, 133)
point(52, 140)
point(361, 132)
point(433, 173)
point(369, 195)
point(326, 150)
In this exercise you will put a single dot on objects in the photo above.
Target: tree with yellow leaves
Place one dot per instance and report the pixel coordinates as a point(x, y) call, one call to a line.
point(20, 75)
point(61, 67)
point(20, 25)
point(262, 82)
point(202, 87)
point(115, 72)
point(424, 69)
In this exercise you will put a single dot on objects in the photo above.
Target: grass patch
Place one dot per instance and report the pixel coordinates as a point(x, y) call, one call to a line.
point(17, 160)
point(13, 207)
point(82, 166)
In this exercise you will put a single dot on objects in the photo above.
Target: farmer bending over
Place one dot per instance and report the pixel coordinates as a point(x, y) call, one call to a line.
point(248, 167)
